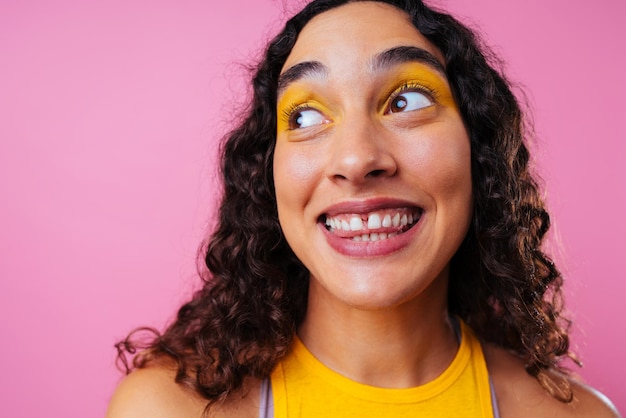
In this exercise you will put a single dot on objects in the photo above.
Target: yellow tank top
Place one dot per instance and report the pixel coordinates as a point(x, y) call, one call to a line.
point(303, 387)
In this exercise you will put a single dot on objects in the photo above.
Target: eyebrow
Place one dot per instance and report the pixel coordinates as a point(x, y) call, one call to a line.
point(389, 58)
point(404, 54)
point(299, 71)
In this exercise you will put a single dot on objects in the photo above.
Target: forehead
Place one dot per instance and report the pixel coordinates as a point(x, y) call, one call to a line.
point(348, 36)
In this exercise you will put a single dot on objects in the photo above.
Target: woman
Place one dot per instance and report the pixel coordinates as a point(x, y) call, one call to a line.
point(378, 245)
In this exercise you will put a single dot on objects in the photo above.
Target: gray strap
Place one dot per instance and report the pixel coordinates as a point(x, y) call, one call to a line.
point(266, 403)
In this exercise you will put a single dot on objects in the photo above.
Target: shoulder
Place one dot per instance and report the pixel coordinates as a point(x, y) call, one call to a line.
point(153, 392)
point(520, 395)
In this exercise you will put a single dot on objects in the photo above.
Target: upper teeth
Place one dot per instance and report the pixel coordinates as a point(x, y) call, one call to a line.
point(374, 221)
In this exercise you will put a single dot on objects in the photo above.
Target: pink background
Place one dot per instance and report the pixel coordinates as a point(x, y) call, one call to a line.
point(109, 116)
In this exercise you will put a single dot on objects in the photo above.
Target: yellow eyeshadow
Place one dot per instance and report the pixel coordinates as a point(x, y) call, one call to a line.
point(412, 73)
point(423, 75)
point(291, 97)
point(294, 97)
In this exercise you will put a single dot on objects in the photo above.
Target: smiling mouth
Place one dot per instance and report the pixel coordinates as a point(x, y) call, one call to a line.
point(373, 226)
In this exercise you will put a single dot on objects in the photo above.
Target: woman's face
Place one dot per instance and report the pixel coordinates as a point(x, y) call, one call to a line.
point(372, 159)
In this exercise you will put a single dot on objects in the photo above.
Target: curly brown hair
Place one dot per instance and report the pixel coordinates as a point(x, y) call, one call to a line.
point(243, 320)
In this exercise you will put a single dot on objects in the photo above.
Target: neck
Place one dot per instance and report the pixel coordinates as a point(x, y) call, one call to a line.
point(399, 347)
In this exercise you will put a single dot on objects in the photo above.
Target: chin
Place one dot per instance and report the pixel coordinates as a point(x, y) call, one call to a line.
point(380, 293)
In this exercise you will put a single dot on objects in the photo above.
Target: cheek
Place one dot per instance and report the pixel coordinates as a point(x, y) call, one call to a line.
point(448, 179)
point(455, 174)
point(455, 180)
point(443, 161)
point(296, 172)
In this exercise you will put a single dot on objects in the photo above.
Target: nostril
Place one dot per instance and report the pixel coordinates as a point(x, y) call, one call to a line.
point(375, 173)
point(358, 164)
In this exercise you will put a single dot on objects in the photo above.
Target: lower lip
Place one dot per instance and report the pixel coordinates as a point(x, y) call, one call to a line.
point(365, 249)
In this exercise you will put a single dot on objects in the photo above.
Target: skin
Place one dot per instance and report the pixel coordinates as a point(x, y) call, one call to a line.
point(359, 157)
point(387, 305)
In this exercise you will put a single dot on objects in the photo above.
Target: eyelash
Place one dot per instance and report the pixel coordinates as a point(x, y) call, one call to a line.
point(292, 109)
point(289, 112)
point(412, 86)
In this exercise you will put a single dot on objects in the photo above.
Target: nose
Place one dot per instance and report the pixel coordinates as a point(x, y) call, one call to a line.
point(360, 153)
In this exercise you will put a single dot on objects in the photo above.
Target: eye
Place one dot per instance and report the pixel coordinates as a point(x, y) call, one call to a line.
point(408, 101)
point(305, 118)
